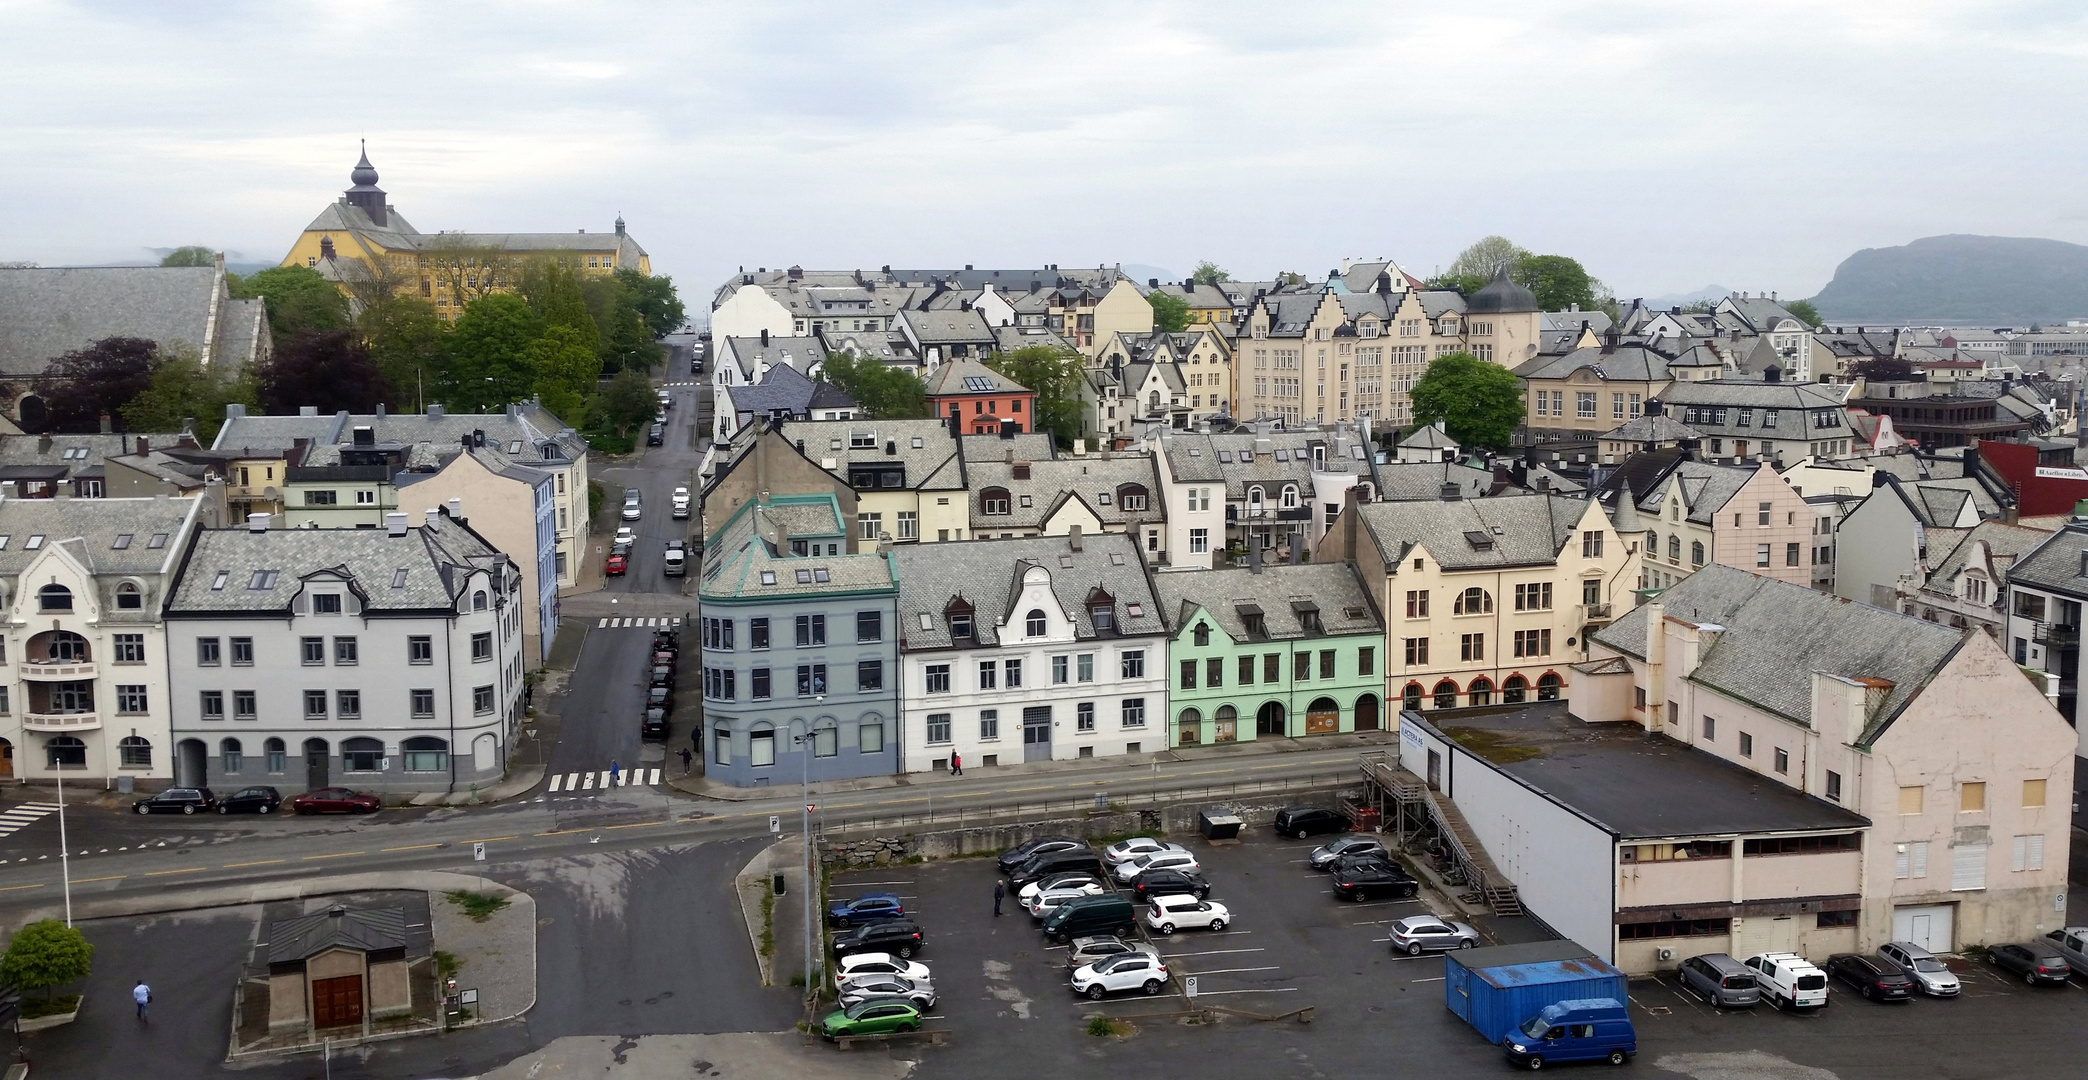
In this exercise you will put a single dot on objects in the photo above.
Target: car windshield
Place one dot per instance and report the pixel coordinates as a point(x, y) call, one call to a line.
point(1535, 1027)
point(1929, 964)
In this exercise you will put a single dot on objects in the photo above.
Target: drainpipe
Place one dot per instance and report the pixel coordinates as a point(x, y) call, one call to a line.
point(449, 653)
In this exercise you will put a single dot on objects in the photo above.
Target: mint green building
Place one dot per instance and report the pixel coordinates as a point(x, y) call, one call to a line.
point(1287, 651)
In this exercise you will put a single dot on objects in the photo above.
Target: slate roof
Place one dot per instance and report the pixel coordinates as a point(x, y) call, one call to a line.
point(748, 353)
point(940, 327)
point(362, 929)
point(1656, 429)
point(781, 387)
point(988, 574)
point(955, 376)
point(1331, 589)
point(90, 529)
point(1626, 363)
point(749, 558)
point(1197, 456)
point(1024, 445)
point(2005, 545)
point(46, 312)
point(1429, 437)
point(437, 562)
point(934, 464)
point(1524, 530)
point(1775, 634)
point(396, 233)
point(1411, 481)
point(1011, 338)
point(2056, 565)
point(65, 451)
point(1051, 482)
point(1571, 321)
point(531, 425)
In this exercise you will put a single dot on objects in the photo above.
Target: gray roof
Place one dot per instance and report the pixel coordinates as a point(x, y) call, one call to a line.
point(90, 529)
point(2005, 545)
point(1756, 393)
point(75, 453)
point(749, 558)
point(956, 377)
point(1572, 321)
point(1645, 429)
point(343, 216)
point(782, 387)
point(48, 312)
point(1706, 488)
point(987, 574)
point(1775, 634)
point(949, 327)
point(748, 353)
point(1626, 363)
point(931, 465)
point(1429, 437)
point(2056, 565)
point(1516, 530)
point(362, 929)
point(1281, 592)
point(1051, 482)
point(1201, 457)
point(1422, 480)
point(437, 562)
point(522, 434)
point(1022, 445)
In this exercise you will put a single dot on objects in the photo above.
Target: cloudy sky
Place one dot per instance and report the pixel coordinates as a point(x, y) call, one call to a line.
point(1666, 145)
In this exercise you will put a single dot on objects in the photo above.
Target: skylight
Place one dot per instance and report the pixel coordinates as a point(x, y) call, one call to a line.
point(804, 577)
point(218, 583)
point(262, 581)
point(35, 541)
point(768, 577)
point(399, 578)
point(1116, 558)
point(122, 541)
point(820, 575)
point(159, 540)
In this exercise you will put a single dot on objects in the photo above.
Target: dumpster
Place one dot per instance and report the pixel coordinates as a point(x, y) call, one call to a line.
point(1498, 988)
point(1218, 823)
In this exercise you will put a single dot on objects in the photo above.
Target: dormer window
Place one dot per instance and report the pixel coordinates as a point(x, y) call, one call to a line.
point(959, 616)
point(1102, 612)
point(1131, 497)
point(862, 440)
point(1202, 635)
point(1256, 621)
point(993, 501)
point(1308, 617)
point(1035, 624)
point(128, 598)
point(1290, 497)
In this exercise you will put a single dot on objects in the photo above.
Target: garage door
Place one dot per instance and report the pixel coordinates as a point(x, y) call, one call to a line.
point(1929, 926)
point(1763, 933)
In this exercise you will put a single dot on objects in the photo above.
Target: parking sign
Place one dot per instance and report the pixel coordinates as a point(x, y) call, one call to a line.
point(1189, 984)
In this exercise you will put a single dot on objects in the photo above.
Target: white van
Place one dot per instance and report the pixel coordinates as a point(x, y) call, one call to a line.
point(1789, 980)
point(677, 559)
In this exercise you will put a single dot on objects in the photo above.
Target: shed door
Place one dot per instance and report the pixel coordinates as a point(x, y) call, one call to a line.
point(337, 1002)
point(1929, 926)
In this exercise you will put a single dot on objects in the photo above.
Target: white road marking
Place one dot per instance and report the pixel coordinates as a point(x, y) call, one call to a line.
point(603, 623)
point(655, 778)
point(555, 781)
point(1265, 990)
point(1213, 952)
point(1236, 971)
point(1438, 978)
point(588, 784)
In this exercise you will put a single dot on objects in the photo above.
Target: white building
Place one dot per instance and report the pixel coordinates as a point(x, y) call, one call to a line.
point(388, 661)
point(1042, 648)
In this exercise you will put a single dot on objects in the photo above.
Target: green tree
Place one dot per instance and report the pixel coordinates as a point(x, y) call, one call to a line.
point(1170, 312)
point(299, 300)
point(85, 385)
point(329, 371)
point(567, 367)
point(406, 339)
point(183, 389)
point(1054, 374)
point(1481, 403)
point(627, 343)
point(619, 409)
point(1208, 273)
point(1288, 278)
point(487, 355)
point(1558, 281)
point(192, 255)
point(555, 292)
point(885, 393)
point(1485, 256)
point(1805, 312)
point(656, 299)
point(44, 954)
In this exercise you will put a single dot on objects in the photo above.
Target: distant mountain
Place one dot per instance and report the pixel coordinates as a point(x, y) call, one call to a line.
point(1998, 280)
point(1142, 273)
point(1709, 294)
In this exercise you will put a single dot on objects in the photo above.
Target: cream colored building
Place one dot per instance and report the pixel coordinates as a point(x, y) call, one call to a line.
point(1693, 514)
point(1200, 355)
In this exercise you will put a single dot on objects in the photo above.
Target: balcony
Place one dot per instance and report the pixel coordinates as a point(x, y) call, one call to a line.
point(2057, 635)
point(85, 721)
point(58, 670)
point(1595, 613)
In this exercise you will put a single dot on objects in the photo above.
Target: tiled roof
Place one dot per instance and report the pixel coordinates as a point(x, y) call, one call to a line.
point(965, 375)
point(1518, 530)
point(932, 464)
point(1645, 429)
point(2005, 544)
point(946, 326)
point(987, 574)
point(749, 557)
point(436, 562)
point(1088, 478)
point(1332, 590)
point(2057, 564)
point(48, 312)
point(1626, 363)
point(1422, 480)
point(91, 529)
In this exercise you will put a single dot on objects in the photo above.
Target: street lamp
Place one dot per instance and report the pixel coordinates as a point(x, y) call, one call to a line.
point(804, 745)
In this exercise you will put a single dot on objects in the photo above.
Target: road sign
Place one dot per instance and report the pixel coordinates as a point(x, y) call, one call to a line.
point(809, 807)
point(468, 997)
point(1189, 984)
point(478, 852)
point(775, 823)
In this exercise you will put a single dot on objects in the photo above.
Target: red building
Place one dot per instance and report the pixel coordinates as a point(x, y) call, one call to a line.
point(981, 399)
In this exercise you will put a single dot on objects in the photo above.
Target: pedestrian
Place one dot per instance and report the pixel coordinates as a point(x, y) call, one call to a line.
point(614, 770)
point(1000, 889)
point(956, 764)
point(142, 994)
point(686, 759)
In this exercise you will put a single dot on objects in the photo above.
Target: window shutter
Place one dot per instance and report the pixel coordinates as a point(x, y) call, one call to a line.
point(2036, 854)
point(1900, 862)
point(2018, 852)
point(1968, 865)
point(1910, 800)
point(1920, 850)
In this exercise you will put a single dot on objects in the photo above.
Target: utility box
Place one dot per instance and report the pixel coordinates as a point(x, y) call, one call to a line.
point(1498, 988)
point(1218, 823)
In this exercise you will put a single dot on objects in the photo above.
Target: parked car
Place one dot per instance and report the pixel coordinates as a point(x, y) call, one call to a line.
point(1044, 903)
point(1873, 976)
point(1789, 981)
point(1361, 879)
point(1057, 881)
point(1124, 851)
point(666, 400)
point(1170, 883)
point(681, 503)
point(1089, 915)
point(1176, 859)
point(1023, 852)
point(1056, 862)
point(632, 510)
point(251, 800)
point(654, 725)
point(1417, 934)
point(1304, 821)
point(660, 697)
point(656, 435)
point(1087, 950)
point(1928, 973)
point(1167, 914)
point(1720, 979)
point(675, 561)
point(2036, 961)
point(869, 907)
point(878, 1016)
point(2072, 944)
point(625, 536)
point(660, 675)
point(900, 937)
point(921, 995)
point(864, 965)
point(616, 564)
point(334, 800)
point(1325, 856)
point(177, 800)
point(668, 641)
point(1587, 1029)
point(1128, 971)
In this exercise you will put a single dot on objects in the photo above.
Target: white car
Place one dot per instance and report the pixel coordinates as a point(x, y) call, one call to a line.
point(624, 535)
point(920, 992)
point(1167, 914)
point(1071, 880)
point(1129, 971)
point(1124, 851)
point(1789, 980)
point(1044, 903)
point(1176, 859)
point(877, 964)
point(681, 503)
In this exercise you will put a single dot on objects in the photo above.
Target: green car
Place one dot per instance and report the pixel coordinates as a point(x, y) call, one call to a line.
point(877, 1016)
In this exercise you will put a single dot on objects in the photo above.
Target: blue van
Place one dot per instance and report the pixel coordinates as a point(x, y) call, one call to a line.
point(1587, 1029)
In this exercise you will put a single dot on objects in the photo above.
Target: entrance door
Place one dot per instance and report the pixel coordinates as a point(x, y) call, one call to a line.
point(1036, 733)
point(1322, 717)
point(1435, 771)
point(1930, 926)
point(6, 758)
point(1367, 713)
point(1268, 720)
point(189, 758)
point(337, 1002)
point(315, 764)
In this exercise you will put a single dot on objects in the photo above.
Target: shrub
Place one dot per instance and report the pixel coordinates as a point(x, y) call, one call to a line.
point(45, 954)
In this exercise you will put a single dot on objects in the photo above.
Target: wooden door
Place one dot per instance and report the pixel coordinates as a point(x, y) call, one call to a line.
point(337, 1002)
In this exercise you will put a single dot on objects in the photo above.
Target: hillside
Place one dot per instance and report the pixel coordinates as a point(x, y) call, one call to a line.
point(1996, 280)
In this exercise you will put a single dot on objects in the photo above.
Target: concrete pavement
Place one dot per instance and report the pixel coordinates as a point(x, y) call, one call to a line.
point(736, 1056)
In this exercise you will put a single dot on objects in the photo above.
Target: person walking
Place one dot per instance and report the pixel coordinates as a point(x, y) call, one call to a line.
point(1000, 889)
point(956, 764)
point(142, 994)
point(614, 771)
point(687, 758)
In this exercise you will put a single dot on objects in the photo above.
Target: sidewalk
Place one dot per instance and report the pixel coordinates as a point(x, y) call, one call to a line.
point(784, 925)
point(698, 784)
point(520, 780)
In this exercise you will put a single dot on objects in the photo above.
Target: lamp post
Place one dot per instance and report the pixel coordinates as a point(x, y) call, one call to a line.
point(804, 744)
point(64, 859)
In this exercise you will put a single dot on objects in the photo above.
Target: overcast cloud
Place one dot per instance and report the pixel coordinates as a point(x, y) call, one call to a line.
point(1665, 144)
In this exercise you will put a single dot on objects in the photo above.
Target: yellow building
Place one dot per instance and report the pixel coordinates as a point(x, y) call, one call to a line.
point(362, 240)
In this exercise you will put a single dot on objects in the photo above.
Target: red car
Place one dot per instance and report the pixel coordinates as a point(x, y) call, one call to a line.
point(334, 800)
point(616, 565)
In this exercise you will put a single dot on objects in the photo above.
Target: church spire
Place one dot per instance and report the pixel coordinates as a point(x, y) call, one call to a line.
point(366, 195)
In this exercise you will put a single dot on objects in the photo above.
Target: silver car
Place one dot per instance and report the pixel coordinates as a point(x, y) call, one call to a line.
point(1325, 856)
point(1091, 950)
point(919, 992)
point(1921, 965)
point(1417, 934)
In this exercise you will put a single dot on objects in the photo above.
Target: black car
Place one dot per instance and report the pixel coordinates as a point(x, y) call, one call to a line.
point(253, 800)
point(1170, 883)
point(1362, 878)
point(655, 435)
point(1304, 821)
point(660, 697)
point(1872, 976)
point(2037, 962)
point(666, 641)
point(654, 726)
point(900, 937)
point(1023, 852)
point(177, 800)
point(662, 676)
point(1044, 865)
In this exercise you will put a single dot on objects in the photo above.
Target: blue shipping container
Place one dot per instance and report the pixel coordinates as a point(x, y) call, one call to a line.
point(1498, 988)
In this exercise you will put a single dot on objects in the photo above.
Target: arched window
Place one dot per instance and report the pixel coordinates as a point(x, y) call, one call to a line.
point(362, 755)
point(1446, 695)
point(1674, 547)
point(478, 600)
point(762, 744)
point(65, 752)
point(1034, 623)
point(425, 753)
point(1472, 601)
point(993, 501)
point(1225, 724)
point(1290, 496)
point(1410, 698)
point(128, 597)
point(1696, 553)
point(1254, 497)
point(1548, 687)
point(278, 759)
point(826, 739)
point(1482, 691)
point(229, 753)
point(134, 752)
point(1189, 728)
point(1515, 690)
point(1203, 634)
point(1652, 541)
point(1131, 496)
point(62, 646)
point(54, 598)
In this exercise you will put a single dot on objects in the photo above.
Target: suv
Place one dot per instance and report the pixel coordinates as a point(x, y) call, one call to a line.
point(1724, 981)
point(2072, 943)
point(1328, 855)
point(1928, 973)
point(656, 435)
point(867, 908)
point(1789, 980)
point(900, 937)
point(1170, 883)
point(1056, 862)
point(1126, 971)
point(677, 559)
point(1012, 859)
point(177, 800)
point(1874, 977)
point(1176, 859)
point(1168, 913)
point(1361, 879)
point(1303, 821)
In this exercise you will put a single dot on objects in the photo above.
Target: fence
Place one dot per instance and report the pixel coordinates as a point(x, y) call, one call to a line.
point(961, 816)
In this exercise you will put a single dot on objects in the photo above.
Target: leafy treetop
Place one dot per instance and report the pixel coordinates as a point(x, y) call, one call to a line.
point(1805, 311)
point(1170, 312)
point(1053, 374)
point(1208, 273)
point(1480, 403)
point(300, 300)
point(192, 255)
point(44, 954)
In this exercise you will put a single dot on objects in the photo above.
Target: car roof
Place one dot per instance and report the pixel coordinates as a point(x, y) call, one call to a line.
point(1909, 948)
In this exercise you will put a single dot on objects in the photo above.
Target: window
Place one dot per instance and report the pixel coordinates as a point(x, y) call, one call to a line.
point(314, 651)
point(1246, 671)
point(1012, 674)
point(1084, 667)
point(1746, 745)
point(870, 738)
point(1761, 554)
point(1783, 760)
point(1199, 541)
point(1472, 601)
point(1104, 618)
point(362, 755)
point(1910, 800)
point(938, 727)
point(721, 744)
point(1972, 798)
point(481, 648)
point(1674, 929)
point(1446, 695)
point(53, 597)
point(1472, 647)
point(1591, 544)
point(127, 595)
point(1134, 712)
point(232, 760)
point(420, 650)
point(482, 699)
point(1910, 860)
point(1674, 552)
point(1790, 554)
point(938, 676)
point(278, 759)
point(1591, 591)
point(869, 626)
point(1059, 668)
point(1416, 651)
point(136, 753)
point(425, 754)
point(960, 620)
point(213, 705)
point(330, 603)
point(869, 675)
point(65, 752)
point(1366, 661)
point(909, 525)
point(869, 525)
point(347, 652)
point(758, 679)
point(1326, 663)
point(1710, 729)
point(315, 704)
point(1301, 666)
point(758, 633)
point(1801, 845)
point(1533, 642)
point(1272, 667)
point(2033, 793)
point(130, 648)
point(1696, 554)
point(1214, 672)
point(989, 674)
point(811, 679)
point(994, 501)
point(130, 698)
point(1084, 716)
point(2027, 853)
point(1034, 623)
point(811, 630)
point(207, 652)
point(1584, 405)
point(423, 702)
point(1133, 664)
point(348, 704)
point(717, 634)
point(1833, 786)
point(1535, 597)
point(244, 705)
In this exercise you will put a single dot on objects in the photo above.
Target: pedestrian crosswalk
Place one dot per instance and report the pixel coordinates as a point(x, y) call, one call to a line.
point(657, 624)
point(688, 382)
point(571, 782)
point(24, 815)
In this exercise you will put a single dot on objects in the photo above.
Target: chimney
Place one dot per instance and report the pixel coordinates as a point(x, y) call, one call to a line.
point(234, 411)
point(1655, 406)
point(365, 436)
point(1772, 374)
point(1254, 556)
point(1451, 492)
point(514, 410)
point(1152, 283)
point(308, 410)
point(435, 412)
point(380, 410)
point(478, 436)
point(764, 337)
point(107, 425)
point(44, 442)
point(395, 524)
point(456, 509)
point(144, 445)
point(434, 516)
point(1073, 536)
point(257, 523)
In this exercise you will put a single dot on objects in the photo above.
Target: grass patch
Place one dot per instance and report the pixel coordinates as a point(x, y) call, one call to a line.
point(446, 964)
point(1103, 1027)
point(478, 906)
point(1491, 745)
point(768, 923)
point(56, 1005)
